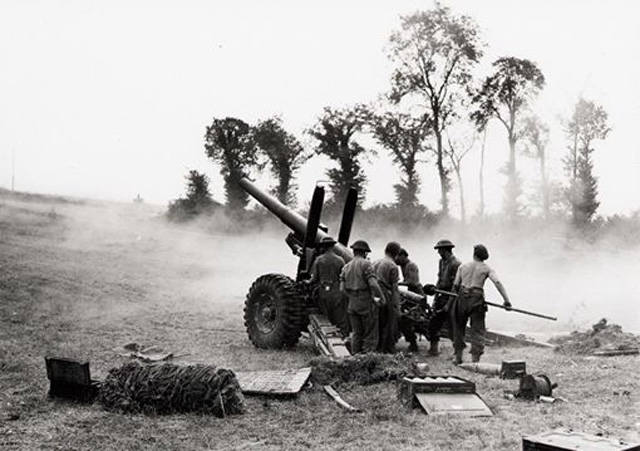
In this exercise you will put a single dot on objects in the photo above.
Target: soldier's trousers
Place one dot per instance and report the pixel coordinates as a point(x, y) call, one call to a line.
point(334, 305)
point(469, 306)
point(364, 328)
point(388, 323)
point(440, 317)
point(407, 328)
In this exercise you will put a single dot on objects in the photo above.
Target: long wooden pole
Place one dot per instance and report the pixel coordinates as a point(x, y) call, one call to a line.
point(510, 309)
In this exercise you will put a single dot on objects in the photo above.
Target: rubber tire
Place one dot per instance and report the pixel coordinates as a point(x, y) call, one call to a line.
point(290, 312)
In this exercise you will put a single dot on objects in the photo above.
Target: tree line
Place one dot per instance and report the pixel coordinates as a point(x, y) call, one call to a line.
point(435, 110)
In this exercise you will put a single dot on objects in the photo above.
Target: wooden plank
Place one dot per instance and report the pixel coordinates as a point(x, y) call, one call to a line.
point(327, 337)
point(502, 339)
point(615, 352)
point(337, 398)
point(285, 382)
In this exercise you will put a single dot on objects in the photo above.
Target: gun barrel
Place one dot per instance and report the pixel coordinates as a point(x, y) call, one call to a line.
point(290, 218)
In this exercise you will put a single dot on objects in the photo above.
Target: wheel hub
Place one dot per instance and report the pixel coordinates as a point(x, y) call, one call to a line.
point(266, 314)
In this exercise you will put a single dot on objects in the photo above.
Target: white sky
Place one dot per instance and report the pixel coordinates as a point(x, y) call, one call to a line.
point(110, 99)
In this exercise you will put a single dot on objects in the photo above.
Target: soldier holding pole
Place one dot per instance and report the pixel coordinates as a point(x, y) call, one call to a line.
point(470, 304)
point(447, 268)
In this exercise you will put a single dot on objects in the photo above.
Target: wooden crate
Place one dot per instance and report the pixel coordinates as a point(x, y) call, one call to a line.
point(513, 369)
point(443, 395)
point(70, 379)
point(574, 441)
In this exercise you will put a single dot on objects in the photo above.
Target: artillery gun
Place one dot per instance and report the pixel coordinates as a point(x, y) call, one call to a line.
point(279, 308)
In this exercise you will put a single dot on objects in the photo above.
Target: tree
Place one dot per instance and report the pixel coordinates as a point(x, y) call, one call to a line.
point(588, 123)
point(481, 173)
point(198, 199)
point(229, 142)
point(457, 148)
point(198, 193)
point(285, 155)
point(334, 133)
point(536, 139)
point(404, 136)
point(435, 52)
point(505, 95)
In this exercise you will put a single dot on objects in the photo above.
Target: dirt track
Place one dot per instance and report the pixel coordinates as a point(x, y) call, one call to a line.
point(87, 278)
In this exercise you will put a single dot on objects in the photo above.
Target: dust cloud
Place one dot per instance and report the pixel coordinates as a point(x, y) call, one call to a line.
point(549, 271)
point(189, 269)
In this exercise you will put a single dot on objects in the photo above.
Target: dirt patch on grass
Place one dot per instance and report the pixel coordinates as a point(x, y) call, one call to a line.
point(602, 336)
point(362, 369)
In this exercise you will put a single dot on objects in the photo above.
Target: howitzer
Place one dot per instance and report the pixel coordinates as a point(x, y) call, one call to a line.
point(278, 307)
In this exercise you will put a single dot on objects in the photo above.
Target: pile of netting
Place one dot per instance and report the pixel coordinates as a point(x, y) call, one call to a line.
point(168, 388)
point(362, 369)
point(602, 337)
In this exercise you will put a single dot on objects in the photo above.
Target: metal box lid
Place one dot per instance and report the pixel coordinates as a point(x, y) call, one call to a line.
point(463, 404)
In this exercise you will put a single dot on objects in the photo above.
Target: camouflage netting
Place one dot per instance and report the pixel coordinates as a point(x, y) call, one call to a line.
point(362, 369)
point(601, 337)
point(168, 388)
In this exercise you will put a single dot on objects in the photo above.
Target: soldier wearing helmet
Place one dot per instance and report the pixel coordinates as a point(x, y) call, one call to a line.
point(325, 273)
point(447, 268)
point(469, 305)
point(358, 281)
point(388, 276)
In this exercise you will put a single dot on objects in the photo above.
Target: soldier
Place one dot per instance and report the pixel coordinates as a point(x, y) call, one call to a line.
point(469, 284)
point(447, 268)
point(325, 272)
point(411, 277)
point(358, 281)
point(388, 277)
point(410, 272)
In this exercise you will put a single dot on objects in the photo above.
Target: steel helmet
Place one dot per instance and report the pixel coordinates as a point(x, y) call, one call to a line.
point(327, 241)
point(444, 244)
point(360, 245)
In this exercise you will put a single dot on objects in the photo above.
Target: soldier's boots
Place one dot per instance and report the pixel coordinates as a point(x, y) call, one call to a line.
point(413, 347)
point(433, 350)
point(457, 360)
point(475, 358)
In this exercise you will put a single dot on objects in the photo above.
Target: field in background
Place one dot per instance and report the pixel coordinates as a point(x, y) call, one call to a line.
point(79, 279)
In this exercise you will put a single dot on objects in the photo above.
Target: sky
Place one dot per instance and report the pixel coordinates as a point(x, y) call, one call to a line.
point(110, 99)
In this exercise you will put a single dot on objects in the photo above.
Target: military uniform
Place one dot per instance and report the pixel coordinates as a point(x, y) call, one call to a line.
point(388, 276)
point(356, 277)
point(325, 272)
point(447, 270)
point(470, 305)
point(410, 276)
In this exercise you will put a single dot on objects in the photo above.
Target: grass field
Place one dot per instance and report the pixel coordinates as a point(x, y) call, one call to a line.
point(78, 279)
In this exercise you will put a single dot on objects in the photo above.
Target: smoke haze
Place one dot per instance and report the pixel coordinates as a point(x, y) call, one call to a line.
point(188, 269)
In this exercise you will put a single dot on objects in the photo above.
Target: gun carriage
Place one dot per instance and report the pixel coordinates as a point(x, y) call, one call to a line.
point(279, 308)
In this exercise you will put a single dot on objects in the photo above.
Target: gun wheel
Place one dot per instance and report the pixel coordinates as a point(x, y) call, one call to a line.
point(274, 313)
